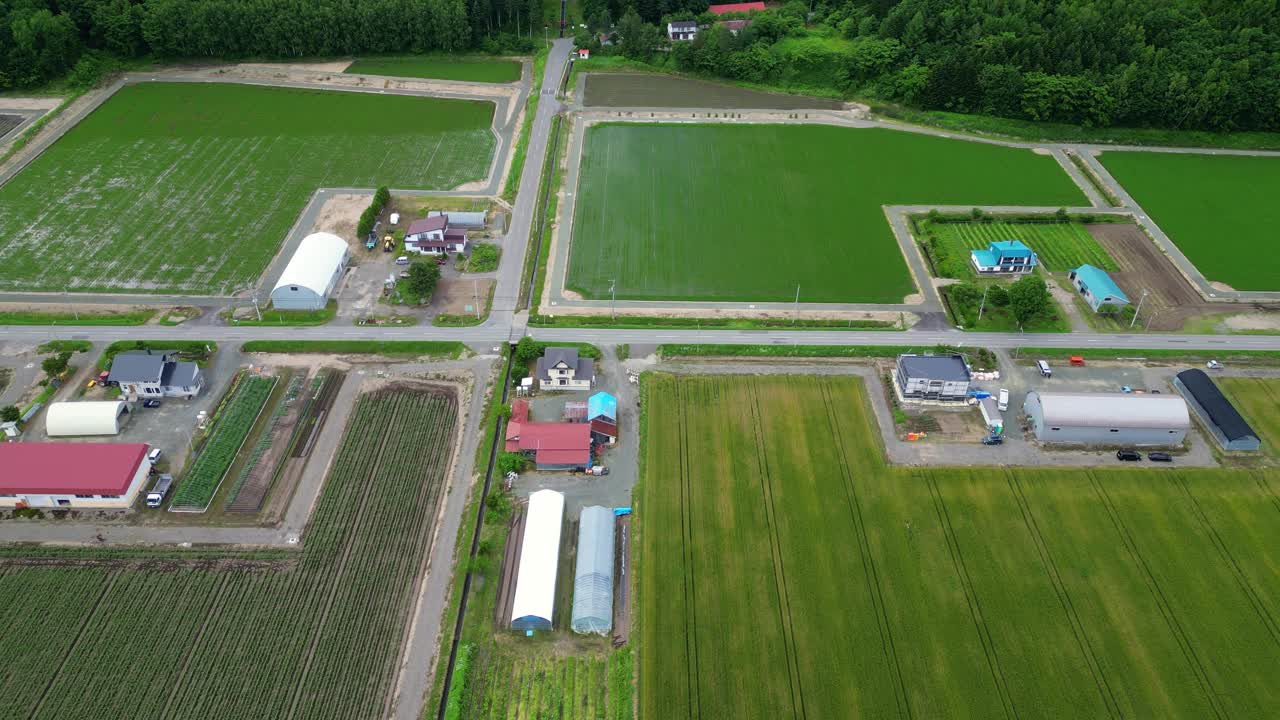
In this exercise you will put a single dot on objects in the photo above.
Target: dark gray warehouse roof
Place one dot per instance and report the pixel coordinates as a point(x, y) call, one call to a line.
point(1215, 404)
point(934, 367)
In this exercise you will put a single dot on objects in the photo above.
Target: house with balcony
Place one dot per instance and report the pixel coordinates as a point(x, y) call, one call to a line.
point(1006, 257)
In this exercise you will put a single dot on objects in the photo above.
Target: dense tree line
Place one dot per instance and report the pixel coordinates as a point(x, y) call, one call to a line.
point(1183, 64)
point(41, 40)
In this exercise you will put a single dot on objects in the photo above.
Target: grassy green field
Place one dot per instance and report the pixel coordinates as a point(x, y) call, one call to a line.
point(439, 67)
point(755, 210)
point(314, 633)
point(1257, 400)
point(1060, 246)
point(784, 571)
point(191, 188)
point(1215, 208)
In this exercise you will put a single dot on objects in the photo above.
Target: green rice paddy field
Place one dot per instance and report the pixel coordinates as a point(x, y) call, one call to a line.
point(1060, 246)
point(191, 188)
point(784, 571)
point(748, 212)
point(439, 68)
point(1257, 400)
point(1220, 210)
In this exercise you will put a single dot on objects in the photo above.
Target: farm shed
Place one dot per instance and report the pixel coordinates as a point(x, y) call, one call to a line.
point(72, 475)
point(312, 273)
point(535, 597)
point(991, 414)
point(1107, 418)
point(602, 404)
point(554, 446)
point(593, 578)
point(940, 378)
point(69, 419)
point(1096, 287)
point(1217, 413)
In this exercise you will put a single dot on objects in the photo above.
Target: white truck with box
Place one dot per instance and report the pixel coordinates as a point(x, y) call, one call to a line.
point(161, 488)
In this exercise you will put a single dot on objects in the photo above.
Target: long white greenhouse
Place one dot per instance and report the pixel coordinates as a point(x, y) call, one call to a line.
point(593, 580)
point(535, 599)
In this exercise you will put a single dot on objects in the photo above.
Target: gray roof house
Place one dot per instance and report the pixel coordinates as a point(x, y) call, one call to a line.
point(938, 378)
point(560, 368)
point(146, 373)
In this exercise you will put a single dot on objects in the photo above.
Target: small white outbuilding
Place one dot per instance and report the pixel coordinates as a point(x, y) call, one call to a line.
point(312, 273)
point(75, 419)
point(535, 597)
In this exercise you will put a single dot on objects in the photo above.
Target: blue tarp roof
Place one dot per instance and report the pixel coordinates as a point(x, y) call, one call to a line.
point(1099, 282)
point(602, 403)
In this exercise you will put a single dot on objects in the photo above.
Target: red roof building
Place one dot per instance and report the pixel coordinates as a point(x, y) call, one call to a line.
point(40, 473)
point(553, 445)
point(736, 7)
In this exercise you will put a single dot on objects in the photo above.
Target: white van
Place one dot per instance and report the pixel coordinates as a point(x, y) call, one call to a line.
point(153, 456)
point(402, 260)
point(1044, 368)
point(1003, 401)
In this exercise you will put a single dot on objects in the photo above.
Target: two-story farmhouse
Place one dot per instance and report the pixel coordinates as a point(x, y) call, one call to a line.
point(1097, 288)
point(434, 235)
point(148, 374)
point(560, 368)
point(935, 378)
point(682, 30)
point(1003, 257)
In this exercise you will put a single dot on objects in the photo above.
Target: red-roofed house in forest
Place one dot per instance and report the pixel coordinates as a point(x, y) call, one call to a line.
point(736, 8)
point(102, 476)
point(553, 446)
point(434, 236)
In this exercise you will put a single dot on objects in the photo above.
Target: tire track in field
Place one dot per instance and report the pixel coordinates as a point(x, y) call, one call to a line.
point(690, 586)
point(871, 572)
point(1094, 664)
point(1255, 600)
point(781, 589)
point(179, 680)
point(971, 596)
point(66, 657)
point(1162, 602)
point(340, 567)
point(1261, 479)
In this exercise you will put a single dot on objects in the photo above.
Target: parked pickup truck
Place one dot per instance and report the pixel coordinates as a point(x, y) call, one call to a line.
point(156, 496)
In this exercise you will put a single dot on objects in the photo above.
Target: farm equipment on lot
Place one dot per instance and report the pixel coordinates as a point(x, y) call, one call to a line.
point(388, 244)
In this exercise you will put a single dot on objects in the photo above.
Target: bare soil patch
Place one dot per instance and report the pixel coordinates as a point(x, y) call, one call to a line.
point(8, 122)
point(1255, 321)
point(453, 295)
point(38, 103)
point(1143, 266)
point(651, 90)
point(339, 216)
point(333, 66)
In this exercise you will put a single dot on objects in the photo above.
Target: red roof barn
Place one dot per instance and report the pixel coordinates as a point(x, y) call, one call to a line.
point(36, 468)
point(736, 7)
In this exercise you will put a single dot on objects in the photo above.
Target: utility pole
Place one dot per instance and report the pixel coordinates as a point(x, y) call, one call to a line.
point(1135, 312)
point(476, 291)
point(255, 307)
point(796, 311)
point(613, 291)
point(75, 310)
point(546, 40)
point(983, 305)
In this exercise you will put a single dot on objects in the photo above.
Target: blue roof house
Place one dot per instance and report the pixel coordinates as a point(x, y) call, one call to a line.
point(1005, 256)
point(602, 404)
point(1096, 287)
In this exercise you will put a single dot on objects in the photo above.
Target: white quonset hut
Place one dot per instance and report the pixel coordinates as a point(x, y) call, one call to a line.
point(74, 419)
point(593, 580)
point(312, 273)
point(535, 597)
point(1107, 418)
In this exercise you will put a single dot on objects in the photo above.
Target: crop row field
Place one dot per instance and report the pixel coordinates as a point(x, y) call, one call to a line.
point(191, 188)
point(751, 212)
point(503, 682)
point(318, 638)
point(785, 571)
point(1060, 246)
point(1218, 209)
point(439, 67)
point(230, 426)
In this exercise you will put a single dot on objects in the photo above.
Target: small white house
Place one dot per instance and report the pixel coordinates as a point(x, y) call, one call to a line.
point(144, 373)
point(560, 368)
point(312, 273)
point(435, 235)
point(682, 30)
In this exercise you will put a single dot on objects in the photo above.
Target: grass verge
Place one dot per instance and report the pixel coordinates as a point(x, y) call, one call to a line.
point(137, 317)
point(300, 318)
point(389, 348)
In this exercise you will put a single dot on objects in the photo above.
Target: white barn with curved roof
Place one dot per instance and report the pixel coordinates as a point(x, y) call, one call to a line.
point(75, 419)
point(593, 579)
point(1107, 418)
point(535, 597)
point(312, 273)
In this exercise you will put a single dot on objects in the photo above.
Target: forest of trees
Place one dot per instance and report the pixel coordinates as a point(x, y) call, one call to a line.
point(44, 40)
point(1180, 64)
